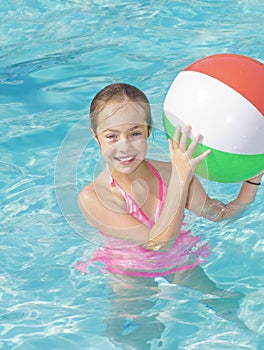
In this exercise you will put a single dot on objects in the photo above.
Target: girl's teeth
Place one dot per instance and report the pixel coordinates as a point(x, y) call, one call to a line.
point(125, 159)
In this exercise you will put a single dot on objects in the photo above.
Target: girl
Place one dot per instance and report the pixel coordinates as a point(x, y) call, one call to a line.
point(138, 204)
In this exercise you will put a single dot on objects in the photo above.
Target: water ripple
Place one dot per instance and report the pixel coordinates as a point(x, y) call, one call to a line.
point(55, 55)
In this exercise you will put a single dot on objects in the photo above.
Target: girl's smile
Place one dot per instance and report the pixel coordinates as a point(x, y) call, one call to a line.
point(125, 160)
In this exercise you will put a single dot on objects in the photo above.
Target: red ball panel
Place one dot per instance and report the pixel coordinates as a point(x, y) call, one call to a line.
point(243, 74)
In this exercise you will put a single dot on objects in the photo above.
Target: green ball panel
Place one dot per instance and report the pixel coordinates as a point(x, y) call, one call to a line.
point(222, 166)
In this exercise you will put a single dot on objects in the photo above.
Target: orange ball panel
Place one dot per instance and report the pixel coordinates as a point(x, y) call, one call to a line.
point(243, 74)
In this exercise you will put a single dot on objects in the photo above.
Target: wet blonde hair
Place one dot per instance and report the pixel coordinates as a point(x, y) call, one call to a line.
point(118, 93)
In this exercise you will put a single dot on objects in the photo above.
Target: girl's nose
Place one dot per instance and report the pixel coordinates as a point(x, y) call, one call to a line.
point(124, 144)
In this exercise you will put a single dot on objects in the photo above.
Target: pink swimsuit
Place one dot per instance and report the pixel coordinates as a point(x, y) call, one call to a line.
point(127, 258)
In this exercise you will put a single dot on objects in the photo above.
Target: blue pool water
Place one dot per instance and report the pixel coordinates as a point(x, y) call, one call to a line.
point(55, 55)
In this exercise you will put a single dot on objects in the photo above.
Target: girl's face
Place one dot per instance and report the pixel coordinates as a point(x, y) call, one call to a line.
point(122, 135)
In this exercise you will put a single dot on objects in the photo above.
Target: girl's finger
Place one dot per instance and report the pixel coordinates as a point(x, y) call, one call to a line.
point(194, 143)
point(177, 134)
point(202, 156)
point(185, 135)
point(170, 142)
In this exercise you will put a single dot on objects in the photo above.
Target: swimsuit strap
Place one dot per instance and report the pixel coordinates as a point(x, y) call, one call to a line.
point(162, 186)
point(162, 191)
point(133, 208)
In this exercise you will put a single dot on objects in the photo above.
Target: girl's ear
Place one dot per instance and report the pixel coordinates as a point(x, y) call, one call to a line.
point(94, 135)
point(149, 130)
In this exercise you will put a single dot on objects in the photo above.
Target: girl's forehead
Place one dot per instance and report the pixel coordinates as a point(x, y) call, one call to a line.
point(121, 114)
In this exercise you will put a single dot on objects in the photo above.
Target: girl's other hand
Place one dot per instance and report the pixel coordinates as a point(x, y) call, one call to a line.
point(257, 179)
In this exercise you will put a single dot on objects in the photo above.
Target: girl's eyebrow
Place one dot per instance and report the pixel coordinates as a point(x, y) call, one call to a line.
point(114, 130)
point(109, 130)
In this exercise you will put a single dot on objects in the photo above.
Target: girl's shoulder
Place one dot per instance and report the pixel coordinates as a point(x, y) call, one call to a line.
point(98, 194)
point(98, 185)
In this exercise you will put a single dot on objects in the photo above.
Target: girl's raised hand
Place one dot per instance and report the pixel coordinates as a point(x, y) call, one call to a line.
point(182, 155)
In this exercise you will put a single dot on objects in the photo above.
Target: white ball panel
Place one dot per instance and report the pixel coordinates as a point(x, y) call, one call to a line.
point(227, 120)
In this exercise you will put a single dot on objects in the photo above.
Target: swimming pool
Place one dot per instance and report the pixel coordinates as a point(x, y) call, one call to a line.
point(55, 55)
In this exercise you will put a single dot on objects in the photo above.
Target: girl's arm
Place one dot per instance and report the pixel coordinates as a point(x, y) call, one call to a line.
point(215, 210)
point(168, 225)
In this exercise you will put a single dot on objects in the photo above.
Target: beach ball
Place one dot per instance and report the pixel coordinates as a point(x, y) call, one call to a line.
point(221, 97)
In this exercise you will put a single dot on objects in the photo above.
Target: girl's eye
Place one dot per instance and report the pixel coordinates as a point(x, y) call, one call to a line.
point(111, 137)
point(136, 134)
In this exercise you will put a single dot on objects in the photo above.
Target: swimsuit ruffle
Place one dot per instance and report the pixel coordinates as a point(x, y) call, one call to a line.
point(122, 257)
